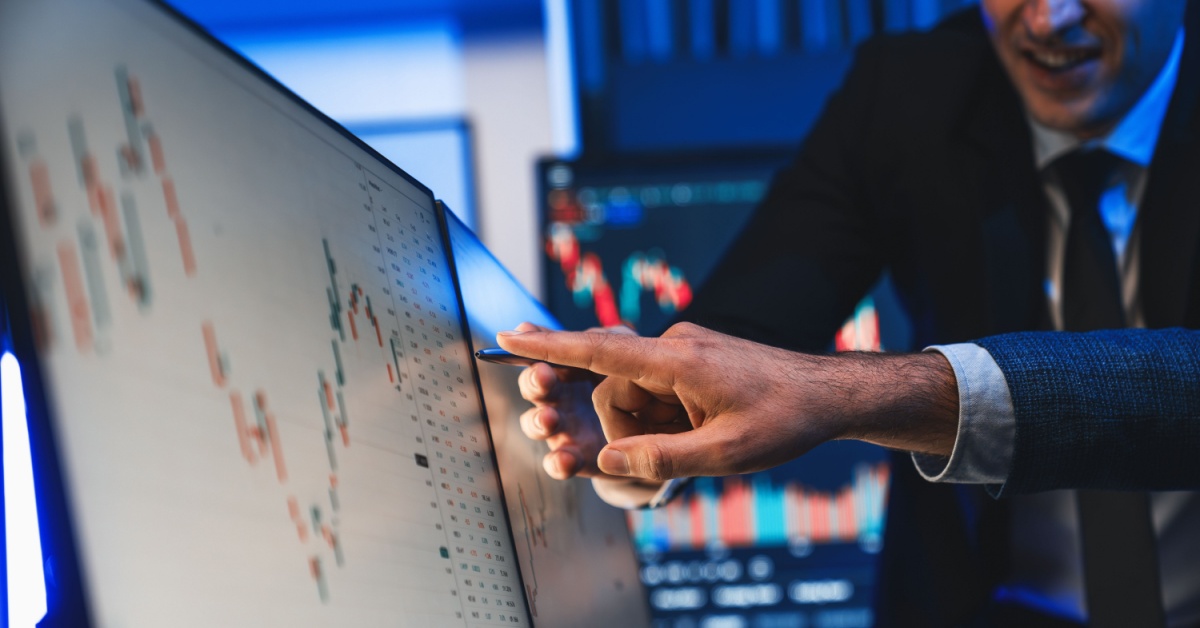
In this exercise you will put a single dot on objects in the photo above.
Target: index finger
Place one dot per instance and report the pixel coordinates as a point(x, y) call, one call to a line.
point(620, 355)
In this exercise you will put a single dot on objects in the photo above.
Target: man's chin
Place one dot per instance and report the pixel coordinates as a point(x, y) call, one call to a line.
point(1076, 117)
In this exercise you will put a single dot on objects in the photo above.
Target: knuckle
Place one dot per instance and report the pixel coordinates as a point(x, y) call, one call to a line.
point(742, 453)
point(600, 344)
point(602, 395)
point(527, 424)
point(550, 464)
point(528, 385)
point(658, 463)
point(682, 329)
point(545, 421)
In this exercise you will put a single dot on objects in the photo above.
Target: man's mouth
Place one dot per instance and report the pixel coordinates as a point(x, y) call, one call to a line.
point(1060, 59)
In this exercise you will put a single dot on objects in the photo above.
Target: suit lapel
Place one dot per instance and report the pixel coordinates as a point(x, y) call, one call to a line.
point(1169, 215)
point(1013, 208)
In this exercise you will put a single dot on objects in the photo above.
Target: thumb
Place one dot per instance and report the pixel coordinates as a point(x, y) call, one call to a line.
point(659, 457)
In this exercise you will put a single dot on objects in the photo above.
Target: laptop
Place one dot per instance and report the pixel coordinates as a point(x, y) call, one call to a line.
point(248, 357)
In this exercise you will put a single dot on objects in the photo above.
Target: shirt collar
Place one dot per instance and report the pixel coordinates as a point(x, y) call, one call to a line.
point(1135, 137)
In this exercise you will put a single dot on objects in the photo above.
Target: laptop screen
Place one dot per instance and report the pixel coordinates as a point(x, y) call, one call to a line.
point(250, 350)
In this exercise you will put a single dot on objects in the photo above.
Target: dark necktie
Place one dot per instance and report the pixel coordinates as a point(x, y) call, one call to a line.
point(1120, 557)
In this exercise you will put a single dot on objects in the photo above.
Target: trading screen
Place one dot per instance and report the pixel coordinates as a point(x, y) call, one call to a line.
point(606, 260)
point(788, 547)
point(264, 405)
point(574, 550)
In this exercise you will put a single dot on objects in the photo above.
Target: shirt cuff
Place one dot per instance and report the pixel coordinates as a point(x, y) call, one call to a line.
point(987, 423)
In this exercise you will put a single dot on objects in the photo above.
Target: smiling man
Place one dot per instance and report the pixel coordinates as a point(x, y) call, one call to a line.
point(1024, 167)
point(1080, 66)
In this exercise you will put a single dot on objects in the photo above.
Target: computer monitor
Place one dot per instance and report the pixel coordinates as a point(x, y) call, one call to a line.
point(576, 556)
point(628, 243)
point(252, 398)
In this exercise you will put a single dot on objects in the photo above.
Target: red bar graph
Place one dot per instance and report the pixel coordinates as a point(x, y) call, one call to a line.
point(169, 195)
point(328, 392)
point(185, 247)
point(356, 294)
point(747, 513)
point(43, 195)
point(130, 157)
point(243, 430)
point(135, 97)
point(860, 332)
point(260, 399)
point(77, 302)
point(214, 356)
point(585, 277)
point(156, 154)
point(294, 513)
point(91, 172)
point(314, 564)
point(112, 222)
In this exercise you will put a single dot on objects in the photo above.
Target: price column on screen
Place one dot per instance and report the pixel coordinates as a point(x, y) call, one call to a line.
point(435, 376)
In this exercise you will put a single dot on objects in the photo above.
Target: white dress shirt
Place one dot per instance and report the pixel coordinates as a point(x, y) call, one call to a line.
point(1047, 565)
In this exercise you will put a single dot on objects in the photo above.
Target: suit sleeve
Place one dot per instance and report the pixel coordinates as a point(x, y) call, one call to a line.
point(1116, 410)
point(811, 250)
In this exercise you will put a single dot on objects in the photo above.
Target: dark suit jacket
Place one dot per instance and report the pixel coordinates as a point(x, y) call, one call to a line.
point(922, 164)
point(1108, 410)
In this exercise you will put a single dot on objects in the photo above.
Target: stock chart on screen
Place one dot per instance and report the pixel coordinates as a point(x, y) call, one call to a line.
point(629, 244)
point(789, 547)
point(255, 361)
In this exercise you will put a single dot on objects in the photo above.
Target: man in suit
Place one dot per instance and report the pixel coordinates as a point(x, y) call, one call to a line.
point(948, 158)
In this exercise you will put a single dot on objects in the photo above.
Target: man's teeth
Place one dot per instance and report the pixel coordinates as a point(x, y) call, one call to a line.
point(1059, 59)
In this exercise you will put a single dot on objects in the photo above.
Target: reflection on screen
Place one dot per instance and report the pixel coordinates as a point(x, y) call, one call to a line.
point(248, 329)
point(575, 553)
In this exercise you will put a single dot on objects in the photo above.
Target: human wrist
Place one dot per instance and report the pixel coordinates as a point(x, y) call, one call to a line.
point(900, 401)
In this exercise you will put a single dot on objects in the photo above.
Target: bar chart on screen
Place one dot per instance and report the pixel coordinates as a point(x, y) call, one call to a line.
point(754, 511)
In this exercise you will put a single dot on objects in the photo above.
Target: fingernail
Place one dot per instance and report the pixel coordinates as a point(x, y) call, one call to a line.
point(537, 422)
point(510, 333)
point(614, 462)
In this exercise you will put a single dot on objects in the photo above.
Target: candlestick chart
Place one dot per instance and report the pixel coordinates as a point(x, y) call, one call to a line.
point(641, 272)
point(632, 247)
point(252, 344)
point(106, 233)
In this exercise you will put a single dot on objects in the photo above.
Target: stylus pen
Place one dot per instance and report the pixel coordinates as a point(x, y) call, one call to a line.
point(497, 355)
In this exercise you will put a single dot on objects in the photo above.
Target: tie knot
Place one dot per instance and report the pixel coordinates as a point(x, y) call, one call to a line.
point(1091, 169)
